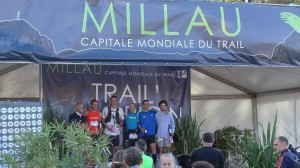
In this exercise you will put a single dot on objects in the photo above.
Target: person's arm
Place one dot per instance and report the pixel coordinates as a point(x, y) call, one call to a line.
point(172, 123)
point(140, 123)
point(104, 114)
point(286, 162)
point(70, 118)
point(121, 113)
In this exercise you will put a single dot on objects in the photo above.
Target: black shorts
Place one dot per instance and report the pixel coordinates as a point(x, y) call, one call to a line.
point(149, 139)
point(114, 140)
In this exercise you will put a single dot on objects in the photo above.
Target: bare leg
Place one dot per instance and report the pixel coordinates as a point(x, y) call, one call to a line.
point(168, 149)
point(160, 151)
point(153, 148)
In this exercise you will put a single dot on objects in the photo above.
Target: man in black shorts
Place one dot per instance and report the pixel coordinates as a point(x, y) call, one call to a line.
point(147, 127)
point(112, 120)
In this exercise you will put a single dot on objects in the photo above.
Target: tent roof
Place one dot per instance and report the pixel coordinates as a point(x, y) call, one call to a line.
point(259, 80)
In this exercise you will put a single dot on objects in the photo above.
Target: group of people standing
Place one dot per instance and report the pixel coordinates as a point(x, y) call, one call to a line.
point(154, 127)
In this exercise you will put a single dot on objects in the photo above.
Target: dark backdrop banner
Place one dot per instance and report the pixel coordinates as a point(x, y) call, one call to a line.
point(65, 85)
point(146, 31)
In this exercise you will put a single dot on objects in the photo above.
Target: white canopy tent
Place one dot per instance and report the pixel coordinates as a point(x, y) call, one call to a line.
point(222, 96)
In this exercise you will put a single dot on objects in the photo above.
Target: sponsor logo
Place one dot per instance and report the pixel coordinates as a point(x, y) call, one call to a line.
point(23, 130)
point(22, 123)
point(16, 116)
point(4, 131)
point(4, 138)
point(33, 123)
point(3, 110)
point(10, 145)
point(39, 115)
point(4, 145)
point(34, 129)
point(28, 123)
point(33, 109)
point(28, 116)
point(22, 109)
point(17, 130)
point(39, 109)
point(11, 151)
point(27, 109)
point(16, 109)
point(4, 117)
point(4, 124)
point(33, 116)
point(10, 131)
point(10, 124)
point(10, 110)
point(16, 123)
point(10, 117)
point(39, 122)
point(22, 116)
point(10, 138)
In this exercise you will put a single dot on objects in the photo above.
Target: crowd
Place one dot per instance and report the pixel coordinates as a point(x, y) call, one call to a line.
point(148, 129)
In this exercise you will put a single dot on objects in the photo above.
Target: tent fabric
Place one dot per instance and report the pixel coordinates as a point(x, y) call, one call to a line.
point(149, 32)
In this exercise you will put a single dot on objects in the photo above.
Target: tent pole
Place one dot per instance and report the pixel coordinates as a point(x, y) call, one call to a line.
point(40, 84)
point(295, 122)
point(255, 118)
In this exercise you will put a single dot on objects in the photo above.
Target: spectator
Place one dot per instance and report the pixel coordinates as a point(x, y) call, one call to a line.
point(133, 157)
point(167, 160)
point(118, 160)
point(207, 152)
point(147, 161)
point(202, 164)
point(286, 158)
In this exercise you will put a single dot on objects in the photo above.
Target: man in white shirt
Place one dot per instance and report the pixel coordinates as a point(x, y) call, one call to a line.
point(113, 119)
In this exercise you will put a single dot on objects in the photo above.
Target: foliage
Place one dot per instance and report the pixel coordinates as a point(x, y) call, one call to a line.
point(260, 153)
point(42, 150)
point(187, 134)
point(228, 140)
point(52, 116)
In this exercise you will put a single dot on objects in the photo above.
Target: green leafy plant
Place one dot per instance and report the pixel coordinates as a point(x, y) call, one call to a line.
point(187, 134)
point(52, 116)
point(228, 140)
point(43, 150)
point(259, 153)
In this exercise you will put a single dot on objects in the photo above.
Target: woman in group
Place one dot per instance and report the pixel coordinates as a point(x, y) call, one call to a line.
point(131, 121)
point(119, 159)
point(167, 160)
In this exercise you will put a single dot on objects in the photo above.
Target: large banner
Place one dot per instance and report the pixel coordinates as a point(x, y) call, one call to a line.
point(143, 31)
point(17, 118)
point(65, 85)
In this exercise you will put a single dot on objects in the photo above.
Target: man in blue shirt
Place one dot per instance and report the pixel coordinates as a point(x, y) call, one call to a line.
point(147, 127)
point(286, 158)
point(132, 125)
